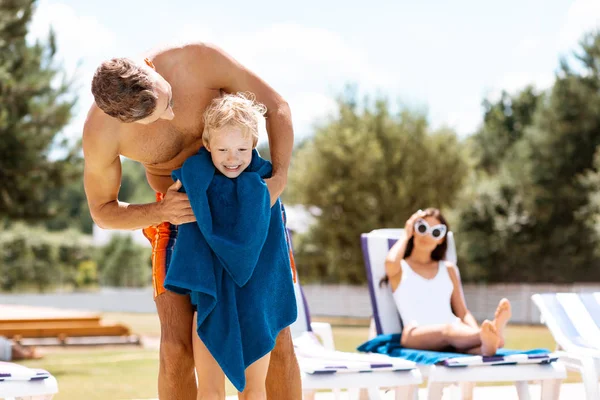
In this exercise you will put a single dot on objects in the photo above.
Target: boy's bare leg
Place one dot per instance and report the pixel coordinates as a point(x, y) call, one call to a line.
point(256, 375)
point(283, 376)
point(176, 378)
point(211, 379)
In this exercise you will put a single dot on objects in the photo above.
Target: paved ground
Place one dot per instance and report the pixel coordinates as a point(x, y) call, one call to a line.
point(571, 391)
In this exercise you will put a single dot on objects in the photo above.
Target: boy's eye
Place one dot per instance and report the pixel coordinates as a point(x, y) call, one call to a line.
point(222, 149)
point(243, 149)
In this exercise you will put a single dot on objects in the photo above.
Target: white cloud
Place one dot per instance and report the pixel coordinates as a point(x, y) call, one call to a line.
point(295, 55)
point(527, 45)
point(464, 121)
point(309, 108)
point(82, 43)
point(513, 82)
point(302, 63)
point(78, 36)
point(196, 33)
point(583, 16)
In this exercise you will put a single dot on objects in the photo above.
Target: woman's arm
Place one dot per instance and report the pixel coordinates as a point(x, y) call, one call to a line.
point(396, 253)
point(459, 305)
point(394, 257)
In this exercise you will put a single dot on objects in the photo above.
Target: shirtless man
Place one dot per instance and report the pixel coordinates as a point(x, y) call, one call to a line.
point(151, 112)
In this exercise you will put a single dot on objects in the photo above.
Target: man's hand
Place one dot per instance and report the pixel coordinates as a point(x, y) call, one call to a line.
point(275, 184)
point(176, 207)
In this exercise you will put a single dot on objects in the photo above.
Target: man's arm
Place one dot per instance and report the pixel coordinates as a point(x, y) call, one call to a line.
point(224, 72)
point(102, 180)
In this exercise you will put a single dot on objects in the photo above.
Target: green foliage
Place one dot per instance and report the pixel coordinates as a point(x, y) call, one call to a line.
point(264, 151)
point(529, 214)
point(134, 186)
point(123, 263)
point(69, 203)
point(34, 258)
point(504, 124)
point(34, 107)
point(589, 214)
point(87, 274)
point(365, 169)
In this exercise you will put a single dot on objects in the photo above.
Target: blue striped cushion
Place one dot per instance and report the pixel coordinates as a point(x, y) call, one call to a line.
point(14, 372)
point(390, 345)
point(313, 358)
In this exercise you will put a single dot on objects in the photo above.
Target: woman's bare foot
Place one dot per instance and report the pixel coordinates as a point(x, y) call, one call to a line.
point(501, 317)
point(489, 338)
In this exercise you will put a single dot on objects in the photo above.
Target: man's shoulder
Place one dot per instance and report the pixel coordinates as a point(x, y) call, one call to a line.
point(192, 65)
point(100, 129)
point(186, 52)
point(198, 58)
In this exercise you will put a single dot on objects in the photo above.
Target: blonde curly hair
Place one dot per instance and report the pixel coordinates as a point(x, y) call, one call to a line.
point(240, 109)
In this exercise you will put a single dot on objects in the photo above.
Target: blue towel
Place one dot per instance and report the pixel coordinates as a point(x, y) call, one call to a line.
point(390, 345)
point(233, 262)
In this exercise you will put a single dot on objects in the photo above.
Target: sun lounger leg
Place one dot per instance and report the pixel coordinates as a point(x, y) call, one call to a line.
point(522, 390)
point(435, 390)
point(466, 390)
point(550, 389)
point(589, 375)
point(406, 392)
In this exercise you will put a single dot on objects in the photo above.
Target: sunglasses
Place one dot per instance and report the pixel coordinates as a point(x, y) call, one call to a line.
point(436, 231)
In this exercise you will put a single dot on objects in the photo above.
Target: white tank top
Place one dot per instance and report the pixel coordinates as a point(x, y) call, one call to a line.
point(425, 301)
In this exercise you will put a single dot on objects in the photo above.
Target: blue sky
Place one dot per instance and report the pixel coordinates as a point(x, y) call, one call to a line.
point(439, 56)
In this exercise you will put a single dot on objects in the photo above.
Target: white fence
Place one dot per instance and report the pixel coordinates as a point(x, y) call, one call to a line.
point(323, 300)
point(352, 301)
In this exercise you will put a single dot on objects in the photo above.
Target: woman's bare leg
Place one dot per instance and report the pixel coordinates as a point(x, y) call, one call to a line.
point(459, 335)
point(501, 317)
point(438, 337)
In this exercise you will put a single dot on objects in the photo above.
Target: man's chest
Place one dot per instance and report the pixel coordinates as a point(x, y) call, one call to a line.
point(166, 144)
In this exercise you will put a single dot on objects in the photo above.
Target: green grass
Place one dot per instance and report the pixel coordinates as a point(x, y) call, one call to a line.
point(99, 374)
point(131, 373)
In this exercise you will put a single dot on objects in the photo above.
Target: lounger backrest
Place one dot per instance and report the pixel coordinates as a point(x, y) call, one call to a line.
point(375, 246)
point(573, 318)
point(302, 323)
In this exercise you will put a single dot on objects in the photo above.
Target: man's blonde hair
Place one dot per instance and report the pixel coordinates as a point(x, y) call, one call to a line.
point(240, 109)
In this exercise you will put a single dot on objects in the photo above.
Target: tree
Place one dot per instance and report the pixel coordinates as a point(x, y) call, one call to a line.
point(69, 206)
point(33, 110)
point(590, 213)
point(123, 263)
point(31, 257)
point(530, 227)
point(504, 124)
point(134, 185)
point(366, 169)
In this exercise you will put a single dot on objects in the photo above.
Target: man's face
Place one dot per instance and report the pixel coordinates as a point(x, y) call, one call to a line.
point(230, 150)
point(164, 103)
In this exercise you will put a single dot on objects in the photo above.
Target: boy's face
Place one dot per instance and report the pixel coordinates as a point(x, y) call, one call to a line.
point(230, 150)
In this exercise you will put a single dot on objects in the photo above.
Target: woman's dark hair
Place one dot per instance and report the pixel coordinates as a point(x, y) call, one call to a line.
point(438, 254)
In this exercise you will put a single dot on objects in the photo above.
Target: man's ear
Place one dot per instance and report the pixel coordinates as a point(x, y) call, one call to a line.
point(150, 63)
